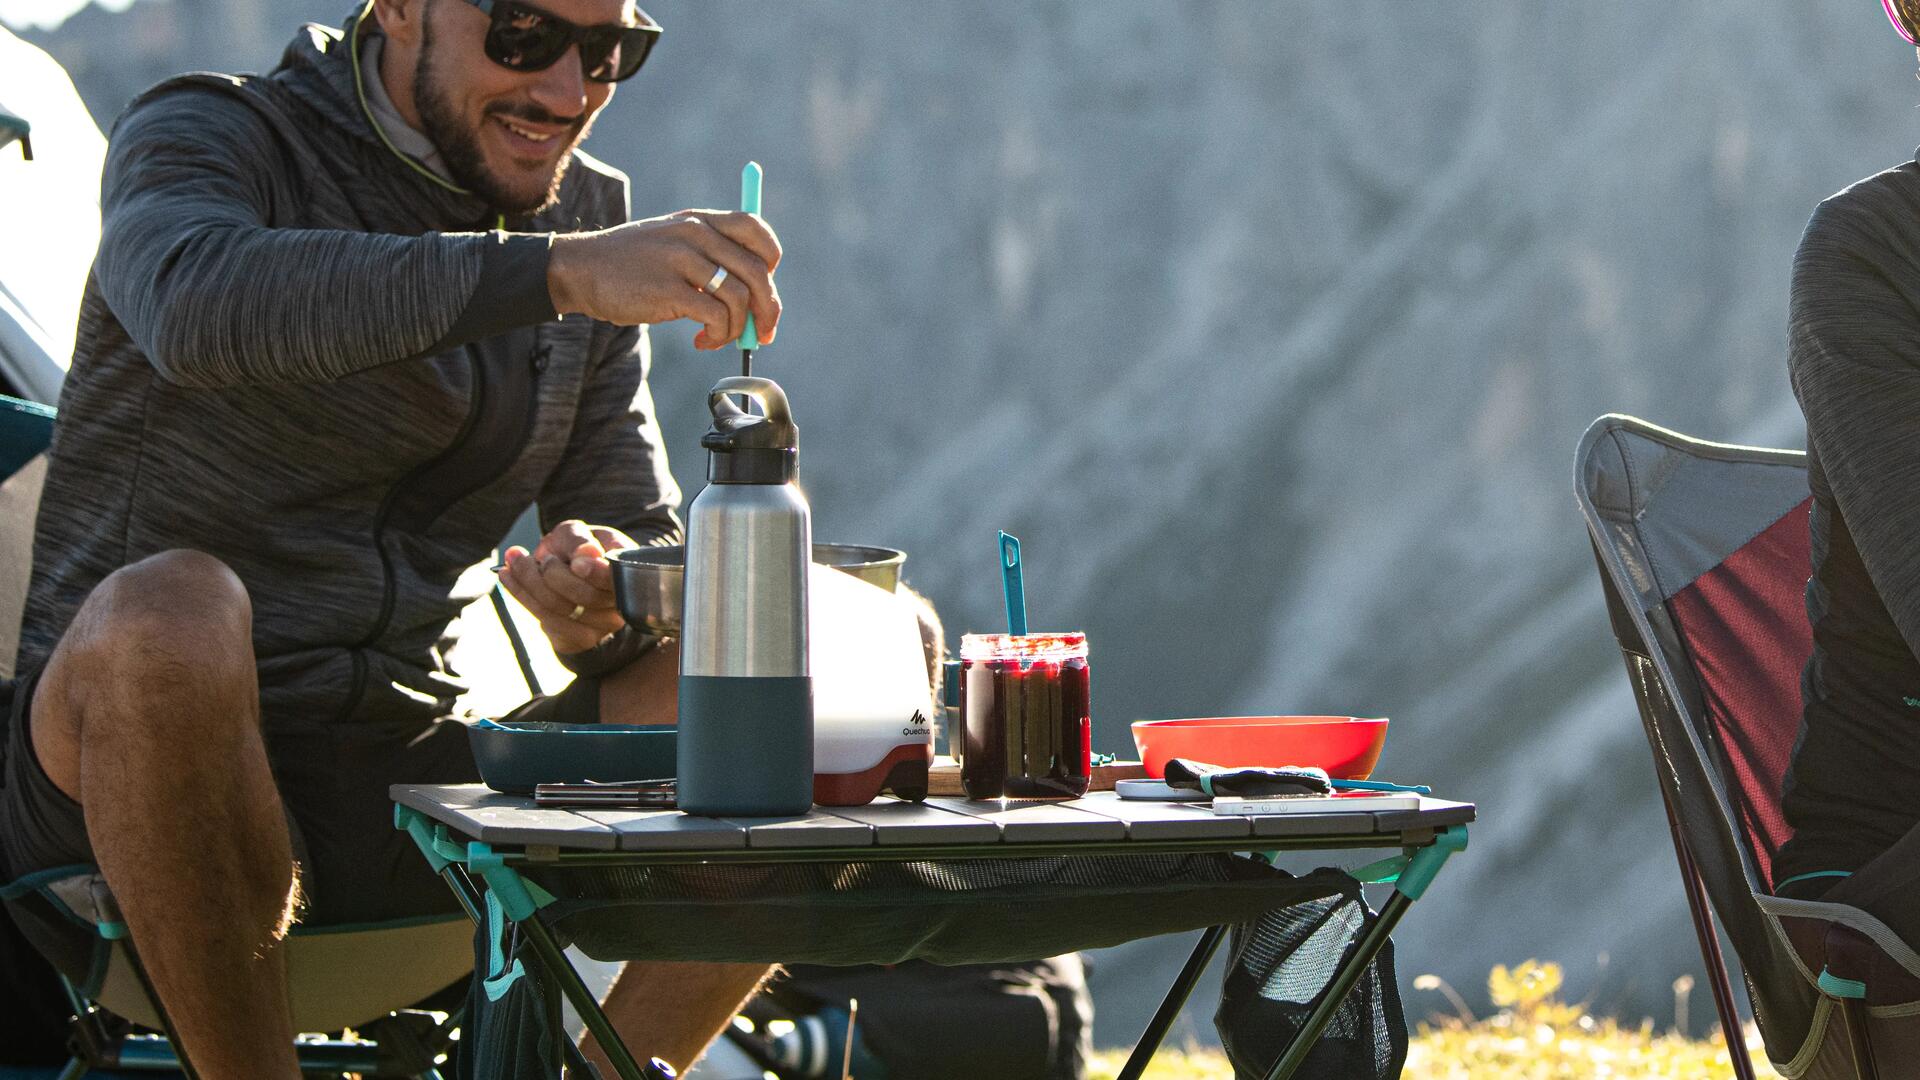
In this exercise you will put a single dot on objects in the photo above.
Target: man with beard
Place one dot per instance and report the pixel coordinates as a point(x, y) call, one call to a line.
point(347, 320)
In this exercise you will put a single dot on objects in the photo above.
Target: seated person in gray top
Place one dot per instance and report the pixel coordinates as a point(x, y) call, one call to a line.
point(346, 322)
point(1854, 338)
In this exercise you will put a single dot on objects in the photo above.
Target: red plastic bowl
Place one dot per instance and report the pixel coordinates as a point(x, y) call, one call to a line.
point(1346, 747)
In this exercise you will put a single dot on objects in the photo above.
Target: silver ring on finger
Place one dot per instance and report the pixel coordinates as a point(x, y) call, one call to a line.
point(578, 610)
point(713, 283)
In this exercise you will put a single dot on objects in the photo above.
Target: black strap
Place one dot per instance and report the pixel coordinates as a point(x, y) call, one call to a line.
point(1250, 783)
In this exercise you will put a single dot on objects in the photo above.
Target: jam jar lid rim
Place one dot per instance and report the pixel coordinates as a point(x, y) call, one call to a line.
point(1046, 646)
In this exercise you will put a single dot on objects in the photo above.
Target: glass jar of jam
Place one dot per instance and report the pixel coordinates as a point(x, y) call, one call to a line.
point(1025, 708)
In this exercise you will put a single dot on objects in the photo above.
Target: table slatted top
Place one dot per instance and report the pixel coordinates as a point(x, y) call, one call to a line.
point(1101, 819)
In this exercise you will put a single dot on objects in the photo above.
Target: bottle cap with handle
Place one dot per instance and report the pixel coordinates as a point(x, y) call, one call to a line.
point(746, 448)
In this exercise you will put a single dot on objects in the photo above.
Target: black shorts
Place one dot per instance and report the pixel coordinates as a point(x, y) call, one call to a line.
point(333, 779)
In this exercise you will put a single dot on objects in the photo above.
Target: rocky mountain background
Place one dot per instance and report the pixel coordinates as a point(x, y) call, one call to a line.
point(1270, 330)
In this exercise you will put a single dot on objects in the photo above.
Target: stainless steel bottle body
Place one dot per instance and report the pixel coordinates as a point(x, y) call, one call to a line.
point(746, 594)
point(745, 746)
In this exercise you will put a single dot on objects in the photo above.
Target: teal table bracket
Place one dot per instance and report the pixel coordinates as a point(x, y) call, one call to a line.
point(429, 836)
point(1424, 863)
point(1384, 872)
point(519, 898)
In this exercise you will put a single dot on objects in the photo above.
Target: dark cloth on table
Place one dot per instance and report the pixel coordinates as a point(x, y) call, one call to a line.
point(1853, 788)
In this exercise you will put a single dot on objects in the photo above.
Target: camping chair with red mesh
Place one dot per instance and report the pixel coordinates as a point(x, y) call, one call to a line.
point(1703, 552)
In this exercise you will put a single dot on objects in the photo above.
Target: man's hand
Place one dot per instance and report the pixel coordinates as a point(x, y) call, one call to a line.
point(567, 583)
point(657, 270)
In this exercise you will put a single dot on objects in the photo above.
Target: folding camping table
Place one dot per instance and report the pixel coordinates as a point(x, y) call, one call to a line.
point(480, 840)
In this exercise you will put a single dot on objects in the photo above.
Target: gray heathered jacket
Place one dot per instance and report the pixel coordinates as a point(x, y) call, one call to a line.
point(301, 356)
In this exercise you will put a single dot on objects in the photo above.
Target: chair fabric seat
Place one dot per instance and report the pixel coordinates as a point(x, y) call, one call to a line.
point(1879, 958)
point(338, 980)
point(337, 977)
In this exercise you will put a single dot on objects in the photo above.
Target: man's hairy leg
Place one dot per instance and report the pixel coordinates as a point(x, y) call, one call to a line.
point(673, 1010)
point(665, 1010)
point(148, 715)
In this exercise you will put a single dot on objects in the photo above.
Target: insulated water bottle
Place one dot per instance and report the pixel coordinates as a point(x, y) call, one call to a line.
point(746, 697)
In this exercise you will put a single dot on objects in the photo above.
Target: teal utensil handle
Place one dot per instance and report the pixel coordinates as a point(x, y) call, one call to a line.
point(1016, 588)
point(750, 203)
point(1380, 785)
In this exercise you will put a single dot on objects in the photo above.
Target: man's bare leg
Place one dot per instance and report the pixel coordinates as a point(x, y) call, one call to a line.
point(665, 1010)
point(148, 715)
point(673, 1010)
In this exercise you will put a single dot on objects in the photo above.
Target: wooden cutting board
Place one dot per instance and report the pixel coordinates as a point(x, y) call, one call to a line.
point(944, 777)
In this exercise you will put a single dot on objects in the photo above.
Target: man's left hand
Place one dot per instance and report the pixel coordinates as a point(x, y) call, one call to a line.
point(567, 583)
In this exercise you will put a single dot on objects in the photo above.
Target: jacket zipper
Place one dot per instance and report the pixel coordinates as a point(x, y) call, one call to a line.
point(387, 584)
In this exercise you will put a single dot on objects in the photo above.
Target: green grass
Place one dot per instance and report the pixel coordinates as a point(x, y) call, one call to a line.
point(1533, 1035)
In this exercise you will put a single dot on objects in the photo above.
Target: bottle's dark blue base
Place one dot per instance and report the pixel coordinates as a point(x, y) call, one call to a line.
point(746, 745)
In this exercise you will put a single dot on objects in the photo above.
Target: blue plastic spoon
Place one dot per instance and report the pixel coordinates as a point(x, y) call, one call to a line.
point(1016, 589)
point(1380, 785)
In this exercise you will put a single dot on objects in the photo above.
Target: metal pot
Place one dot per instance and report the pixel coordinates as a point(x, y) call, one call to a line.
point(648, 582)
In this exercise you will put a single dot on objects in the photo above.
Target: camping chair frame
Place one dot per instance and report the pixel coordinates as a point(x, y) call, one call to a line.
point(1704, 929)
point(1627, 464)
point(406, 1043)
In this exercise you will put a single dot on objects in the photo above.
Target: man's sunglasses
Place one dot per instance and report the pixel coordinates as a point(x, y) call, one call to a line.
point(524, 38)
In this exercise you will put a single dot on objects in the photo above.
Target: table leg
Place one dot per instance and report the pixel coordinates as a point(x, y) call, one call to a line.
point(577, 1063)
point(1352, 966)
point(464, 890)
point(1177, 994)
point(555, 961)
point(471, 900)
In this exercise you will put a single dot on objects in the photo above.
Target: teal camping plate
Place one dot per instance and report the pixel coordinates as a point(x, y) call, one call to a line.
point(514, 757)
